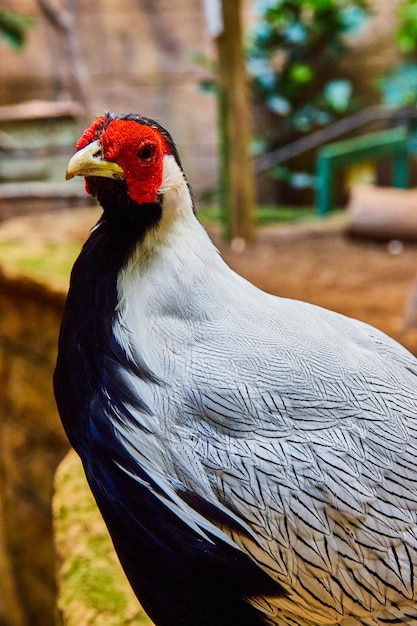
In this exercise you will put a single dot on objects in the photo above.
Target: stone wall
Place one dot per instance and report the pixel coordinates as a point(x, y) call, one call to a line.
point(32, 443)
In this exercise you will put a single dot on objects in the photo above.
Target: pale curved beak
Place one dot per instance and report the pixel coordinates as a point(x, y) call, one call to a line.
point(89, 162)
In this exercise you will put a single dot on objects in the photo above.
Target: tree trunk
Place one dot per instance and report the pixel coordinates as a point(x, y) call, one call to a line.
point(237, 176)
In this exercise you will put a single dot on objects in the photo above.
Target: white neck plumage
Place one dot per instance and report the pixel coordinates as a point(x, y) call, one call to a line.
point(172, 272)
point(178, 233)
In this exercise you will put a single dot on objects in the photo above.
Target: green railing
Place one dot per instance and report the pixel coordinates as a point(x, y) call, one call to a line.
point(392, 143)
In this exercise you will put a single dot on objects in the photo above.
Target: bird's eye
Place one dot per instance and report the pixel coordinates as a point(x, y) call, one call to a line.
point(146, 153)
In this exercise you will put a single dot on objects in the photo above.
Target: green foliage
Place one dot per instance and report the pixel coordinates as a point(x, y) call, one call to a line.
point(13, 27)
point(406, 33)
point(293, 56)
point(399, 86)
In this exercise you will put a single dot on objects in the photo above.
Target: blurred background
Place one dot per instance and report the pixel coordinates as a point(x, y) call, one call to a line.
point(296, 122)
point(308, 65)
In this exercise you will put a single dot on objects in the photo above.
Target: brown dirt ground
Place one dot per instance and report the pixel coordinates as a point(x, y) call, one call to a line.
point(319, 264)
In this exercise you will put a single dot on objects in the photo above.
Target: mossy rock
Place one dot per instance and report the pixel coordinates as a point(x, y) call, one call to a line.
point(92, 587)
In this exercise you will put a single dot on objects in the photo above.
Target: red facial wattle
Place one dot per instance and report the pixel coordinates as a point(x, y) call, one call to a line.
point(137, 148)
point(91, 133)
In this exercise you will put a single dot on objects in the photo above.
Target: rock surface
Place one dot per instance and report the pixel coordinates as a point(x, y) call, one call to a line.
point(93, 590)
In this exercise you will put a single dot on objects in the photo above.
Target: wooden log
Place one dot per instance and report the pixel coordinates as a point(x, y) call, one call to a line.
point(40, 110)
point(410, 312)
point(25, 198)
point(382, 213)
point(42, 190)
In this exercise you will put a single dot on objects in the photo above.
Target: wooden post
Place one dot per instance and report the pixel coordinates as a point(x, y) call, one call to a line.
point(237, 177)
